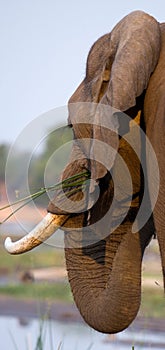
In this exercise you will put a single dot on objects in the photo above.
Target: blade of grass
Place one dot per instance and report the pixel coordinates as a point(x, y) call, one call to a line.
point(60, 346)
point(40, 341)
point(14, 211)
point(28, 201)
point(31, 196)
point(64, 184)
point(13, 340)
point(90, 346)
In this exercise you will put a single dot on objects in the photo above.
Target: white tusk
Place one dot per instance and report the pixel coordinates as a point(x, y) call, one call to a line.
point(39, 234)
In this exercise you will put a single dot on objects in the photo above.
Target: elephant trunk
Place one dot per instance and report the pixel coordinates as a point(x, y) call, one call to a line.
point(106, 287)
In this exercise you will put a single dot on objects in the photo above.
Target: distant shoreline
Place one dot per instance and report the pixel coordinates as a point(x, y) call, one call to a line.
point(63, 312)
point(30, 308)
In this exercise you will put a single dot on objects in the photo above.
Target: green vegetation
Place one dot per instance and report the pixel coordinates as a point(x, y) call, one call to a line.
point(44, 256)
point(153, 302)
point(50, 291)
point(72, 184)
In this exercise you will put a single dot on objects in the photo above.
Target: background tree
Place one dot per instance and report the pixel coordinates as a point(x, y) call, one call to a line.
point(4, 148)
point(28, 171)
point(45, 168)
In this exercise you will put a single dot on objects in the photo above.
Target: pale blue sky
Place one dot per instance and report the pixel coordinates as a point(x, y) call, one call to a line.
point(43, 49)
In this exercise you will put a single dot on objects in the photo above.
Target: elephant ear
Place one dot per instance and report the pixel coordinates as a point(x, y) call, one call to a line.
point(119, 67)
point(135, 46)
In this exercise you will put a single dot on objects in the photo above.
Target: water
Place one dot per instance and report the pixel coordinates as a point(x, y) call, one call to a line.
point(22, 334)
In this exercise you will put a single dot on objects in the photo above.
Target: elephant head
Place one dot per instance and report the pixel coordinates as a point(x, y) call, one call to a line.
point(103, 256)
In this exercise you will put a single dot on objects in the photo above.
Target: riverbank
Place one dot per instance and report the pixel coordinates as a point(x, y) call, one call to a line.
point(30, 308)
point(64, 312)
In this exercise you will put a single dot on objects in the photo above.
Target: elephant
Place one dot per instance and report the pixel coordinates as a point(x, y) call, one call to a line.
point(119, 106)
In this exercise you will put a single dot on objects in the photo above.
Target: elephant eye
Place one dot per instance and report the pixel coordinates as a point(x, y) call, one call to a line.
point(106, 75)
point(103, 90)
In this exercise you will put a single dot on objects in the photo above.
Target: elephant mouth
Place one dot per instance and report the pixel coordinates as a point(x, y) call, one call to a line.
point(58, 216)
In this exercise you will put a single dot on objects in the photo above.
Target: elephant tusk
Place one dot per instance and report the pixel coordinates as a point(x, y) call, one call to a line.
point(37, 236)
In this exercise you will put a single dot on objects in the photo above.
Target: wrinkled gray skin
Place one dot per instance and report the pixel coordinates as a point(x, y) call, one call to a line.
point(121, 72)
